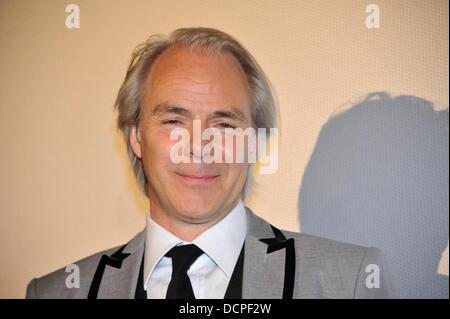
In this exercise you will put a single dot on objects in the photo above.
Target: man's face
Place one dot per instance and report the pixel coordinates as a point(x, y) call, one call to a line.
point(184, 86)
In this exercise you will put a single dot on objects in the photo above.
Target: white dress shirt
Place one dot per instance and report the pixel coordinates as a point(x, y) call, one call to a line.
point(210, 274)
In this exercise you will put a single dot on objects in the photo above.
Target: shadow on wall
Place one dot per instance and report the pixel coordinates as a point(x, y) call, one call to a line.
point(379, 176)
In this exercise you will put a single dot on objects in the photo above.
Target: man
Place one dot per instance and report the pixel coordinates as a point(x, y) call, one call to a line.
point(200, 240)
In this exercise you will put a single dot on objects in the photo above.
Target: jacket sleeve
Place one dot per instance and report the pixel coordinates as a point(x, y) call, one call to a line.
point(31, 290)
point(374, 278)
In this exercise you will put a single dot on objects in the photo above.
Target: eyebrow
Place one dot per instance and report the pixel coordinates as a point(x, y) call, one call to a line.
point(234, 113)
point(161, 109)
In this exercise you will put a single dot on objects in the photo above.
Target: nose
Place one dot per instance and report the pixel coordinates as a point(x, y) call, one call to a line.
point(196, 141)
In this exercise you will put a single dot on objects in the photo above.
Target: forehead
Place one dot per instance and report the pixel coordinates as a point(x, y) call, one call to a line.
point(180, 75)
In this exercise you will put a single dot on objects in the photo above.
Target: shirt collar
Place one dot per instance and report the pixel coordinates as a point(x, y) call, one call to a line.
point(231, 230)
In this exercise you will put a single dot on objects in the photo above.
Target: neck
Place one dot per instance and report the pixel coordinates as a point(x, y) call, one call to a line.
point(187, 229)
point(184, 230)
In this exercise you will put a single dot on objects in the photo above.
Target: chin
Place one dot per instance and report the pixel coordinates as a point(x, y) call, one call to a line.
point(199, 209)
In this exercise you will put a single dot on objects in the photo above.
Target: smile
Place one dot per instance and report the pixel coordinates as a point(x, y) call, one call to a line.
point(198, 179)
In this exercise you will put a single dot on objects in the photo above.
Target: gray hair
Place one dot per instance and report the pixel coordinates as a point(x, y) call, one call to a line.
point(128, 102)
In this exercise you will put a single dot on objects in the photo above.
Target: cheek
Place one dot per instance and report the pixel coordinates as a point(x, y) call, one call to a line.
point(239, 150)
point(236, 173)
point(156, 152)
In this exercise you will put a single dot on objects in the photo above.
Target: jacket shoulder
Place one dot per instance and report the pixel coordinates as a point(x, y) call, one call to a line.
point(335, 269)
point(59, 283)
point(311, 244)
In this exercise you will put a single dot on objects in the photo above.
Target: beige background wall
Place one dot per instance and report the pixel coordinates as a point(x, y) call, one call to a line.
point(66, 190)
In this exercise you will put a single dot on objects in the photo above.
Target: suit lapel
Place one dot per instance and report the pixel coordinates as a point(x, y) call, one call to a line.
point(140, 293)
point(117, 274)
point(263, 276)
point(269, 263)
point(234, 289)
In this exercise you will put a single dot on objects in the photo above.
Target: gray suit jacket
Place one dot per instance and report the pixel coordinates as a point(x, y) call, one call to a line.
point(276, 264)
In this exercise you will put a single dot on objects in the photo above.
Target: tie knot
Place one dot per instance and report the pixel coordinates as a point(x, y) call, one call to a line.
point(183, 257)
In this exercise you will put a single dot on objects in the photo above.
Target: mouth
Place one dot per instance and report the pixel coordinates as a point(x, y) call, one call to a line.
point(198, 179)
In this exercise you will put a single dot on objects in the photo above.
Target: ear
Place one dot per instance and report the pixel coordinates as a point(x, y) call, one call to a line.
point(135, 141)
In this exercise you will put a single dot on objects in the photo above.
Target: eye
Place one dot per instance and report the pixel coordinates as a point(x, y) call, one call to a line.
point(172, 122)
point(226, 125)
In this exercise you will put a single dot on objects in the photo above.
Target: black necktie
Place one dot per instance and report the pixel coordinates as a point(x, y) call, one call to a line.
point(182, 258)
